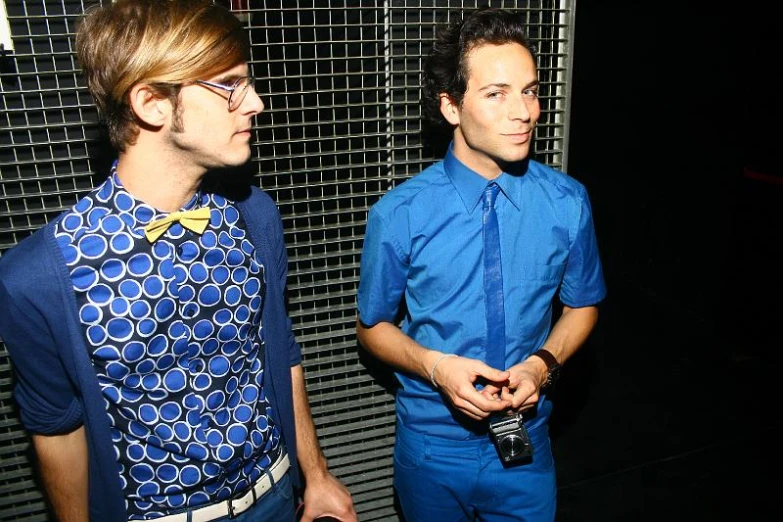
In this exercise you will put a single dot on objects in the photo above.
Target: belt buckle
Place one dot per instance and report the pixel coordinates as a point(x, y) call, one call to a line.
point(231, 514)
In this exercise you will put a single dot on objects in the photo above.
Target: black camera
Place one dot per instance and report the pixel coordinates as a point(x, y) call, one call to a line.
point(510, 437)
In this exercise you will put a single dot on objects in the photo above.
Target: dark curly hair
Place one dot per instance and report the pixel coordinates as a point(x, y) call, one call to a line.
point(445, 68)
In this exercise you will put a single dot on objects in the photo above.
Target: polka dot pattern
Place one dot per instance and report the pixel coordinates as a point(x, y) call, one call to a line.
point(174, 332)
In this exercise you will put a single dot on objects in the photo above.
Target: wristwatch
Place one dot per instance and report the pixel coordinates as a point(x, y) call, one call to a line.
point(552, 366)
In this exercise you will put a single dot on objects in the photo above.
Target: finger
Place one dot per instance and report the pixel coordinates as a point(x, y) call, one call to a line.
point(523, 397)
point(490, 396)
point(477, 406)
point(472, 415)
point(470, 410)
point(494, 375)
point(506, 395)
point(485, 405)
point(491, 374)
point(490, 390)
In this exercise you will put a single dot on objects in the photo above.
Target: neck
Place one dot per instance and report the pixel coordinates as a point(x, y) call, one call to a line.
point(158, 179)
point(480, 163)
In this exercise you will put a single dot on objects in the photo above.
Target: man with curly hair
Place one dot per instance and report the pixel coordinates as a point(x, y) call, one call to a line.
point(470, 254)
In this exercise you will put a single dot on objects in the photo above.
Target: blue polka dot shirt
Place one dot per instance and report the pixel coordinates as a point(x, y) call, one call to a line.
point(175, 337)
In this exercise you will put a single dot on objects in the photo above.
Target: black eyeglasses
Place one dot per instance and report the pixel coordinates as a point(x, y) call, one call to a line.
point(237, 92)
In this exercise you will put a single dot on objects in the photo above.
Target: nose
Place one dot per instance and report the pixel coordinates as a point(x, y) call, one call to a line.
point(252, 104)
point(518, 108)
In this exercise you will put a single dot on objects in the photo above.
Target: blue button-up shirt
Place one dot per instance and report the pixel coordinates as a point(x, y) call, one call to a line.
point(423, 255)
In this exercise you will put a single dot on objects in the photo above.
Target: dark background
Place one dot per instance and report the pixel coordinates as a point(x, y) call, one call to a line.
point(670, 411)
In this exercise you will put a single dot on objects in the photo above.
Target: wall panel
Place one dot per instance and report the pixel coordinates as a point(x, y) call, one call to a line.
point(340, 80)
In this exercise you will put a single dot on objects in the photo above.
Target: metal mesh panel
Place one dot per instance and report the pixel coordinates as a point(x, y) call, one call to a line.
point(340, 80)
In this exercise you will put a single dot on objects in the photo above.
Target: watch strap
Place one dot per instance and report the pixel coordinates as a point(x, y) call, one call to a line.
point(552, 366)
point(547, 357)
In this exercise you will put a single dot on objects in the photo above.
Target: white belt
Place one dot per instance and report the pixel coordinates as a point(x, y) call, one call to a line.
point(234, 507)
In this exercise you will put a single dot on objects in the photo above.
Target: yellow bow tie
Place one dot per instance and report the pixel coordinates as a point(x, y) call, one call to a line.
point(195, 220)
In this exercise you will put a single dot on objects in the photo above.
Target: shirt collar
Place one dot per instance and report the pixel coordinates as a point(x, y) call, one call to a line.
point(470, 185)
point(140, 214)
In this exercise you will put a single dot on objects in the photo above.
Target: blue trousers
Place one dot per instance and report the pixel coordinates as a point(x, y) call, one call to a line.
point(277, 505)
point(443, 480)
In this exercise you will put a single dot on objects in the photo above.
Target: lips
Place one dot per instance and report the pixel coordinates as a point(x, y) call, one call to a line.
point(519, 136)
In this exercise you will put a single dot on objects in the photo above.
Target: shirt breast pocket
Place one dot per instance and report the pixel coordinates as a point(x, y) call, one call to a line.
point(535, 288)
point(542, 273)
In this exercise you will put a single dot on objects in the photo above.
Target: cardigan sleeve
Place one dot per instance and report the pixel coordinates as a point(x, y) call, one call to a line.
point(48, 403)
point(266, 227)
point(281, 269)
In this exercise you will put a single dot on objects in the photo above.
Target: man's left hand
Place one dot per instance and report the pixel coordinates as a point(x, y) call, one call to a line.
point(522, 388)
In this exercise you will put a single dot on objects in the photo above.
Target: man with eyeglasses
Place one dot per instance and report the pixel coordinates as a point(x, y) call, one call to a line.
point(156, 366)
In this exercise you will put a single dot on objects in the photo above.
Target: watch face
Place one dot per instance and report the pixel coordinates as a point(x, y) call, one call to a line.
point(554, 375)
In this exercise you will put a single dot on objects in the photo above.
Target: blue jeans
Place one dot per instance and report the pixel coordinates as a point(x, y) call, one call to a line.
point(443, 480)
point(277, 505)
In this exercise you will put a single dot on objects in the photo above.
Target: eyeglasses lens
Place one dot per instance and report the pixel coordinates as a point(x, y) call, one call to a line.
point(239, 93)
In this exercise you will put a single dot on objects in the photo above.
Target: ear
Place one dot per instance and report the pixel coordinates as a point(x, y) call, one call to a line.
point(148, 106)
point(449, 109)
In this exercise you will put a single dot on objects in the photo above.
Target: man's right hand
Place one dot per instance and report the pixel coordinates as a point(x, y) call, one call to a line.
point(457, 377)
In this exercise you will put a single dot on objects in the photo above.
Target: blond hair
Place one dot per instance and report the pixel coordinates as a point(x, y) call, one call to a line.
point(160, 43)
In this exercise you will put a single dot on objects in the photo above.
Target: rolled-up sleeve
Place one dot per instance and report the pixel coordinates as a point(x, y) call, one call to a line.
point(46, 397)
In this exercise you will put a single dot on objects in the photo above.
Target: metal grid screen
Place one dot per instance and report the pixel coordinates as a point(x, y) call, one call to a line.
point(340, 80)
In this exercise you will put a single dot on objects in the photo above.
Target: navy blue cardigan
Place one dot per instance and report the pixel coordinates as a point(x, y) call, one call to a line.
point(56, 387)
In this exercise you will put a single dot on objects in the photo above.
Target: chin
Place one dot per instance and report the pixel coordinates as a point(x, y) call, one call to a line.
point(237, 160)
point(516, 158)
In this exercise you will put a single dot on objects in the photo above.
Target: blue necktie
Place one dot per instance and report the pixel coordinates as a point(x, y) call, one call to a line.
point(493, 282)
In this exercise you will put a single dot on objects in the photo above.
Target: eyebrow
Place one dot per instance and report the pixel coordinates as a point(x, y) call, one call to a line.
point(534, 83)
point(228, 78)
